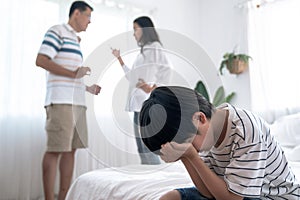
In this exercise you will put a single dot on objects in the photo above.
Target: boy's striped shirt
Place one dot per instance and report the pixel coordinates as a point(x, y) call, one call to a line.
point(251, 161)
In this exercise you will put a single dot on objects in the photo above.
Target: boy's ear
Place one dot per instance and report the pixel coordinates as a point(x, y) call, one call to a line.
point(200, 116)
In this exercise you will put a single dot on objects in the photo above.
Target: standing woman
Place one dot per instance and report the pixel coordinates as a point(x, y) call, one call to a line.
point(150, 69)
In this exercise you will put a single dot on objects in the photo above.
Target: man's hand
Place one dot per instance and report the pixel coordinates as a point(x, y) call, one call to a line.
point(172, 151)
point(93, 89)
point(82, 71)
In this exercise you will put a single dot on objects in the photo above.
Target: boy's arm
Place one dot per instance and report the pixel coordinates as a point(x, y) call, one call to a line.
point(196, 179)
point(215, 185)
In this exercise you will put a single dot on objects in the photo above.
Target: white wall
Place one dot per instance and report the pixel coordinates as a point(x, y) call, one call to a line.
point(211, 23)
point(218, 26)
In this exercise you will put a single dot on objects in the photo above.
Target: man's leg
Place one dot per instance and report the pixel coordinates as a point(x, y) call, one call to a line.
point(49, 174)
point(66, 166)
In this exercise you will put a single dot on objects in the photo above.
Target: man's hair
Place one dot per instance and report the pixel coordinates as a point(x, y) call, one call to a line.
point(80, 5)
point(167, 115)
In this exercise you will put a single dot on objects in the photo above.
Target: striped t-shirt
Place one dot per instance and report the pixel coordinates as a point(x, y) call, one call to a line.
point(251, 161)
point(62, 46)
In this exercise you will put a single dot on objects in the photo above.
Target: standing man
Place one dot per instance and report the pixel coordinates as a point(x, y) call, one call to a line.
point(66, 125)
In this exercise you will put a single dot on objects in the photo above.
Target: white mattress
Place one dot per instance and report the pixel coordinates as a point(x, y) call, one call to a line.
point(130, 182)
point(135, 182)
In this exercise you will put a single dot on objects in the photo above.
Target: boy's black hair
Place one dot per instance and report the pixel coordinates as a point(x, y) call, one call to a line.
point(167, 115)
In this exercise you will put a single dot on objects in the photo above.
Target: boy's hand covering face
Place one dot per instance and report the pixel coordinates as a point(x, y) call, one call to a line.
point(172, 151)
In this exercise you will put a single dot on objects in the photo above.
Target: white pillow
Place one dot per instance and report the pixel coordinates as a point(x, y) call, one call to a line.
point(293, 154)
point(287, 130)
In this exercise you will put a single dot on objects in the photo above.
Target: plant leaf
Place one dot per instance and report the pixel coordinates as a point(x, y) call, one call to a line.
point(219, 97)
point(229, 97)
point(223, 65)
point(200, 87)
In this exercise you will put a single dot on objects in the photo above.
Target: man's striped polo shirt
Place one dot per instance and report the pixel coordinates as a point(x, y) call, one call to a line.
point(61, 44)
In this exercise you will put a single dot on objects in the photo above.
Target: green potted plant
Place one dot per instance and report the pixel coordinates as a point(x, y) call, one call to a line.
point(219, 96)
point(235, 63)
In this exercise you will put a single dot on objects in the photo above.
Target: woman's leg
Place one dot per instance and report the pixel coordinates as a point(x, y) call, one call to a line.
point(147, 157)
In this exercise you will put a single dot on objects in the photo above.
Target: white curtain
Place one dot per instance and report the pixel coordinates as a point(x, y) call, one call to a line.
point(274, 42)
point(22, 90)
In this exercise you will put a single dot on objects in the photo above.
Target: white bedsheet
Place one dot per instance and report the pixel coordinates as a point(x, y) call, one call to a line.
point(134, 182)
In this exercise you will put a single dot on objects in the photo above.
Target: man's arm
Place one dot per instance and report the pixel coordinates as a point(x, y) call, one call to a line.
point(46, 63)
point(93, 89)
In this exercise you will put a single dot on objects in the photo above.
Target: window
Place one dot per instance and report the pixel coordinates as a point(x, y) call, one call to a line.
point(274, 45)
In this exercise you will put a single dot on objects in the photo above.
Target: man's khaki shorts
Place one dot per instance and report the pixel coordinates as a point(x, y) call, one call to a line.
point(66, 127)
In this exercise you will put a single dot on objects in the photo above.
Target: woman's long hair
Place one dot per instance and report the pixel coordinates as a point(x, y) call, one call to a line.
point(149, 33)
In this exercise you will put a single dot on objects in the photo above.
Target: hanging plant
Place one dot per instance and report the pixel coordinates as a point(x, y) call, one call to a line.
point(235, 63)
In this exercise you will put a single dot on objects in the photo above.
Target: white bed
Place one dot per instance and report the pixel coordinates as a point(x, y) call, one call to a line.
point(151, 181)
point(135, 182)
point(130, 182)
